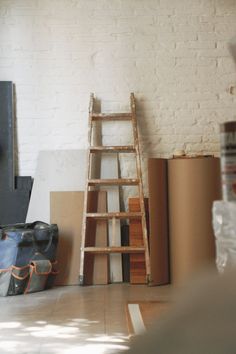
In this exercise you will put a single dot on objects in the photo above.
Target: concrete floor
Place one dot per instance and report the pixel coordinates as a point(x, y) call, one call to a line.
point(72, 319)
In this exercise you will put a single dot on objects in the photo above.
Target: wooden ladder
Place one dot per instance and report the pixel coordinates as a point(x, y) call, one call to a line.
point(93, 117)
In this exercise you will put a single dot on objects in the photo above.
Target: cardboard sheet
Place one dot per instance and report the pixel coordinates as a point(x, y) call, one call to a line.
point(194, 183)
point(158, 221)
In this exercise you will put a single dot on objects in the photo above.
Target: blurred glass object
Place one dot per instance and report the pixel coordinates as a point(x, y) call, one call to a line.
point(224, 224)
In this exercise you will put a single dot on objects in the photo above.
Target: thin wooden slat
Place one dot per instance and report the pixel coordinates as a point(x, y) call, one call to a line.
point(120, 215)
point(107, 250)
point(141, 195)
point(114, 182)
point(82, 270)
point(111, 116)
point(111, 149)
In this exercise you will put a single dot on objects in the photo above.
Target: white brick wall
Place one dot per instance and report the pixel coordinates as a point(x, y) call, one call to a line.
point(172, 54)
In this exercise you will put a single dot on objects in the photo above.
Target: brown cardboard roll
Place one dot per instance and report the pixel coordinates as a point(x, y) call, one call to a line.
point(193, 185)
point(158, 221)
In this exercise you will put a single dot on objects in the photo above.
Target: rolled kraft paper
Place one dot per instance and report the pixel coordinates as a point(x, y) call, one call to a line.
point(193, 185)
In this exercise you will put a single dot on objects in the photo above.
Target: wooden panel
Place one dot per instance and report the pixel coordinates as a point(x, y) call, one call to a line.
point(66, 212)
point(158, 209)
point(137, 261)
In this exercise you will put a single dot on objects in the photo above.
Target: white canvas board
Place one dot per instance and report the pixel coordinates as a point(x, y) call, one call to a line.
point(59, 170)
point(109, 169)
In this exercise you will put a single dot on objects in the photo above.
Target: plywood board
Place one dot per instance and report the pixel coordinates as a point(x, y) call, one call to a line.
point(59, 170)
point(109, 169)
point(194, 184)
point(158, 221)
point(137, 261)
point(67, 212)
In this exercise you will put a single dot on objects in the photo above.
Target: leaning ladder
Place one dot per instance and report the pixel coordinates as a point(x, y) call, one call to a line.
point(93, 117)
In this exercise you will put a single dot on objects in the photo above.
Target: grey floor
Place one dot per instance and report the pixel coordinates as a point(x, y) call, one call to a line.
point(71, 319)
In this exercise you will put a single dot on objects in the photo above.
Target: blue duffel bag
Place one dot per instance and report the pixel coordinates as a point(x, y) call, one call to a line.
point(27, 257)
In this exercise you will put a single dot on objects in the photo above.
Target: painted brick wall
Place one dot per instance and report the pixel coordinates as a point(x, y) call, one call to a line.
point(172, 54)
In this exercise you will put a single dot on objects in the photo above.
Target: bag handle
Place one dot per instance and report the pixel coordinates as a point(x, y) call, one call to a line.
point(33, 225)
point(34, 240)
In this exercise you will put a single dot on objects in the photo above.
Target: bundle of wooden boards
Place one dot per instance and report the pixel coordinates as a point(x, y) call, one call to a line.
point(67, 211)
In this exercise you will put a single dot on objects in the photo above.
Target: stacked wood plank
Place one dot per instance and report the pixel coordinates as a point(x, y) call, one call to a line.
point(137, 261)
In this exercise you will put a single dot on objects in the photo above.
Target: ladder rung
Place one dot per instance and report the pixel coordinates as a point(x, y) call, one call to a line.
point(123, 249)
point(111, 116)
point(109, 182)
point(120, 215)
point(127, 148)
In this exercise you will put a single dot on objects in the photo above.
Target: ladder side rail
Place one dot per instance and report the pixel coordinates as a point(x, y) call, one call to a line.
point(84, 222)
point(140, 186)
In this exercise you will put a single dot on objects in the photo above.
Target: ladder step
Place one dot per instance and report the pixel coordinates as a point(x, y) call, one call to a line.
point(111, 116)
point(107, 250)
point(126, 148)
point(120, 215)
point(110, 182)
